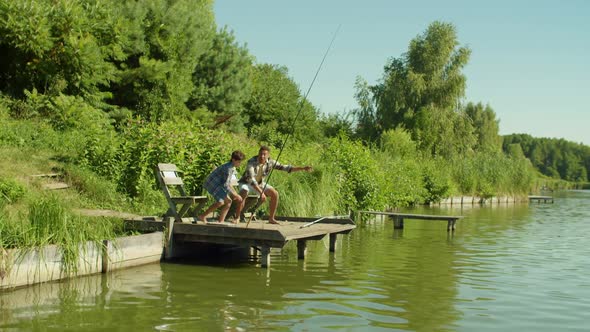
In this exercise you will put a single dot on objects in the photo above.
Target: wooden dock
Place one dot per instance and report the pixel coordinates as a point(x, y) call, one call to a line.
point(538, 199)
point(259, 234)
point(398, 218)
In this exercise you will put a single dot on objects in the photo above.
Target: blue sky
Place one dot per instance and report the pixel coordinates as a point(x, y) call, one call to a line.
point(530, 60)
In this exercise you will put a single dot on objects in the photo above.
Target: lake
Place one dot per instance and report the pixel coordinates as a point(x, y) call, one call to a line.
point(507, 267)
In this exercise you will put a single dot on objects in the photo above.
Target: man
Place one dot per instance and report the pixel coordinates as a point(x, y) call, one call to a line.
point(253, 180)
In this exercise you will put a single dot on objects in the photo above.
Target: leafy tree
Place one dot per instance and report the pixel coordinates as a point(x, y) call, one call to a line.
point(367, 127)
point(222, 78)
point(274, 105)
point(421, 92)
point(336, 124)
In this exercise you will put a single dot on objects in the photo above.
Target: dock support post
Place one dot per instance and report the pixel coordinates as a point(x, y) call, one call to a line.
point(398, 222)
point(106, 245)
point(301, 249)
point(451, 225)
point(265, 258)
point(169, 238)
point(333, 242)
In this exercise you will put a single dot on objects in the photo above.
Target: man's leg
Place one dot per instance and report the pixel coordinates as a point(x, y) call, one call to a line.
point(240, 205)
point(274, 202)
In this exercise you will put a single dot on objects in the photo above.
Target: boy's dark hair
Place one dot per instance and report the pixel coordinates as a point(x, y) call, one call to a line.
point(237, 155)
point(264, 148)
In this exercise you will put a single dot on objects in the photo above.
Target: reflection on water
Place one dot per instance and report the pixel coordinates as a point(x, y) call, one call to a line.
point(507, 267)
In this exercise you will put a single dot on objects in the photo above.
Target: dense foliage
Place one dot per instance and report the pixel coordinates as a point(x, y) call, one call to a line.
point(111, 88)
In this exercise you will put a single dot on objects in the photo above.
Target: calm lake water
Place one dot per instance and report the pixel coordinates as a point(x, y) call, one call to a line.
point(507, 268)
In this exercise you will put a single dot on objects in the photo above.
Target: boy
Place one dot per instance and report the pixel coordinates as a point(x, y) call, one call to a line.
point(218, 184)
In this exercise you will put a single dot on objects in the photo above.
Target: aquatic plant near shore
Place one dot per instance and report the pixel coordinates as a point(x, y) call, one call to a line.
point(48, 221)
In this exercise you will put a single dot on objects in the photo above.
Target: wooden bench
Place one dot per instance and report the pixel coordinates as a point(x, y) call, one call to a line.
point(398, 218)
point(250, 203)
point(179, 203)
point(250, 207)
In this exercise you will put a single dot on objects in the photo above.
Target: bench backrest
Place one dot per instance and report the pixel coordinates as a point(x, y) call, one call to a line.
point(169, 177)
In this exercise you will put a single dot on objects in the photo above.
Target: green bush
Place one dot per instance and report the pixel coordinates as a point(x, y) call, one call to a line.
point(10, 191)
point(404, 182)
point(360, 181)
point(36, 134)
point(464, 175)
point(95, 190)
point(437, 180)
point(398, 143)
point(4, 106)
point(130, 163)
point(71, 112)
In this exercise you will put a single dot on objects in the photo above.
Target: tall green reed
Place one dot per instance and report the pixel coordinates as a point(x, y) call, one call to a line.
point(307, 194)
point(50, 222)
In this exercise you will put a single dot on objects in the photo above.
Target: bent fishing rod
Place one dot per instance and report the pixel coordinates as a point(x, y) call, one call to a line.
point(292, 126)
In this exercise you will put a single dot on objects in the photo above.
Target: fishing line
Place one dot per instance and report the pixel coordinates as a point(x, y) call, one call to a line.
point(292, 126)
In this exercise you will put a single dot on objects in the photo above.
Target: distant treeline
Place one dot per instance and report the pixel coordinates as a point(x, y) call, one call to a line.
point(553, 157)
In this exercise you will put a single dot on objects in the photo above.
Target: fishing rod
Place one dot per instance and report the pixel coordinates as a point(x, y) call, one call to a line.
point(322, 218)
point(292, 126)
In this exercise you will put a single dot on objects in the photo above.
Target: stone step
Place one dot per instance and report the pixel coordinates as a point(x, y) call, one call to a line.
point(106, 213)
point(55, 186)
point(47, 175)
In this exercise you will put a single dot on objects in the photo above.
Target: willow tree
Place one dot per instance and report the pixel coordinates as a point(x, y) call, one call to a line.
point(421, 92)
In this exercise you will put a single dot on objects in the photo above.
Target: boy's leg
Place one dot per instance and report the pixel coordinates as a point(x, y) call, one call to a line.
point(211, 208)
point(223, 212)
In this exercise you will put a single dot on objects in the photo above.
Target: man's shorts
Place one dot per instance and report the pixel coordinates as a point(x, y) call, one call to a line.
point(251, 190)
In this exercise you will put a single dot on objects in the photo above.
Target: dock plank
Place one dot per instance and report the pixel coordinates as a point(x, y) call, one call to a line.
point(414, 215)
point(399, 217)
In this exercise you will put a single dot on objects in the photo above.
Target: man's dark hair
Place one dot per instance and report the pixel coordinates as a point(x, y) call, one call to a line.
point(237, 155)
point(264, 148)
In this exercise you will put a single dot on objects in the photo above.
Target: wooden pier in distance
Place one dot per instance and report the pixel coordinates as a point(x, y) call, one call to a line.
point(538, 199)
point(398, 218)
point(259, 234)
